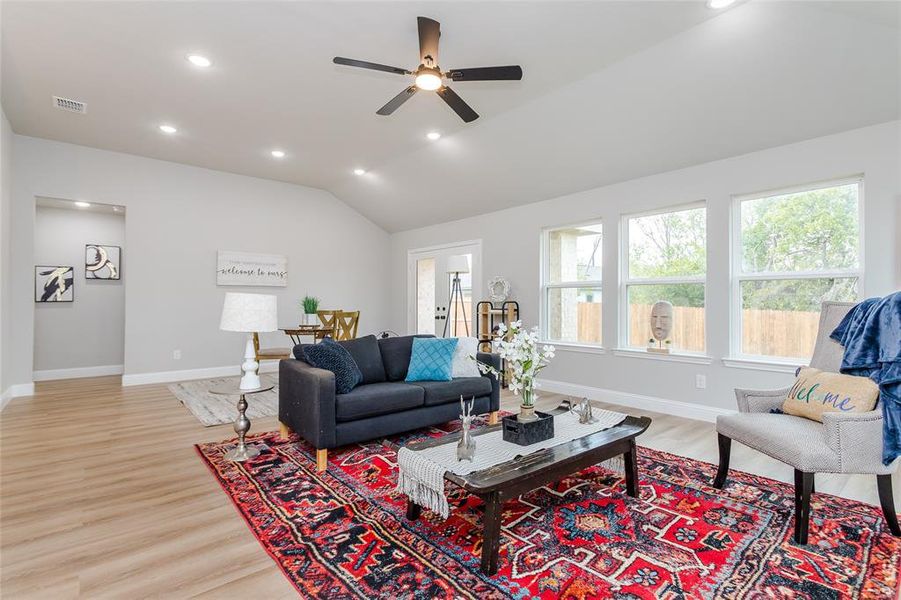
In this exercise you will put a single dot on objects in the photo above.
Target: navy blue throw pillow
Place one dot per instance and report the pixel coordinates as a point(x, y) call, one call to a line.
point(332, 357)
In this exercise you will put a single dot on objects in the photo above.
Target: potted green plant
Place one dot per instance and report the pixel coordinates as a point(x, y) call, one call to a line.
point(310, 305)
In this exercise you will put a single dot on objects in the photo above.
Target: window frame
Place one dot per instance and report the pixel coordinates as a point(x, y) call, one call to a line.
point(625, 278)
point(545, 286)
point(737, 276)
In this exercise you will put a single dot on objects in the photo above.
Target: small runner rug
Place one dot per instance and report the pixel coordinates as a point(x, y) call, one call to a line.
point(343, 533)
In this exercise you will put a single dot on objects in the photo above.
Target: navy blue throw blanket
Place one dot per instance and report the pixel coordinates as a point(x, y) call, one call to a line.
point(871, 336)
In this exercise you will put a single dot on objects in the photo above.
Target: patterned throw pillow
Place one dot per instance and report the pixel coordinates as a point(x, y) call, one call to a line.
point(816, 392)
point(332, 357)
point(464, 364)
point(432, 359)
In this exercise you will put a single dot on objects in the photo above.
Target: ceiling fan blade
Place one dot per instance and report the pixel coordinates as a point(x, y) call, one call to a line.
point(456, 102)
point(350, 62)
point(429, 32)
point(395, 102)
point(513, 72)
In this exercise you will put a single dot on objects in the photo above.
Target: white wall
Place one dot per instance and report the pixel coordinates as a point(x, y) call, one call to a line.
point(90, 331)
point(511, 248)
point(6, 147)
point(178, 217)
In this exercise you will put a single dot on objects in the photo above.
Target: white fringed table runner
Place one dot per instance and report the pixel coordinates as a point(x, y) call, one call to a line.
point(420, 473)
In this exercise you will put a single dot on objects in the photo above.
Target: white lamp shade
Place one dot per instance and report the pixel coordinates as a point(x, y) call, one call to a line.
point(458, 264)
point(249, 312)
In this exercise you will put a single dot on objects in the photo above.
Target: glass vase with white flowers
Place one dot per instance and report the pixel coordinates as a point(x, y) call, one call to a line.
point(524, 358)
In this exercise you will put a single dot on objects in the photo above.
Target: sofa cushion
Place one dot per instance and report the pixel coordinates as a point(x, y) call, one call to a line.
point(432, 360)
point(465, 358)
point(365, 351)
point(396, 355)
point(332, 357)
point(442, 392)
point(377, 399)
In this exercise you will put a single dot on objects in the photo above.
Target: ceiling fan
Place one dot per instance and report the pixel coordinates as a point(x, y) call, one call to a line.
point(430, 78)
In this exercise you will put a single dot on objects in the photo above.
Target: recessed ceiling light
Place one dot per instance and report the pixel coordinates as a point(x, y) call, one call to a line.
point(433, 135)
point(359, 171)
point(199, 61)
point(278, 153)
point(716, 4)
point(116, 209)
point(168, 129)
point(81, 204)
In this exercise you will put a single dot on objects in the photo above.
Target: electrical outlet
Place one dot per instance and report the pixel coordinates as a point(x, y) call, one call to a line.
point(700, 381)
point(176, 355)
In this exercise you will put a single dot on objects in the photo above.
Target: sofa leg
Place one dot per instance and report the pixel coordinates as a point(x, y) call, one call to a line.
point(321, 459)
point(722, 472)
point(886, 499)
point(284, 432)
point(492, 418)
point(803, 487)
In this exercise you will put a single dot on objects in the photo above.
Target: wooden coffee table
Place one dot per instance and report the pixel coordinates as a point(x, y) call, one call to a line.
point(511, 479)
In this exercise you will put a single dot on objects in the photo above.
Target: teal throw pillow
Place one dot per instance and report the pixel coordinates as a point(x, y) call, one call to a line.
point(432, 359)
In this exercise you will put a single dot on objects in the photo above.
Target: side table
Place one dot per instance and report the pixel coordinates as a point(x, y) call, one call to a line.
point(242, 451)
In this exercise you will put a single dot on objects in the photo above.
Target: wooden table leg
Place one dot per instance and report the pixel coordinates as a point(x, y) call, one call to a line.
point(491, 532)
point(413, 510)
point(630, 460)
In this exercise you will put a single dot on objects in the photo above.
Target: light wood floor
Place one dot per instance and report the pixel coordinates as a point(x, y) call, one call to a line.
point(103, 496)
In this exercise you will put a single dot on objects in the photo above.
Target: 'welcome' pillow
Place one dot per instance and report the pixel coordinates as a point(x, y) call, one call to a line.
point(816, 392)
point(432, 359)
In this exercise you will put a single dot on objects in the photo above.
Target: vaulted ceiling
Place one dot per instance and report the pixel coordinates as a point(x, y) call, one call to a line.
point(611, 90)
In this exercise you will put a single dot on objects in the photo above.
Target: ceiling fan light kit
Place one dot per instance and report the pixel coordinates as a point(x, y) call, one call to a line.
point(428, 77)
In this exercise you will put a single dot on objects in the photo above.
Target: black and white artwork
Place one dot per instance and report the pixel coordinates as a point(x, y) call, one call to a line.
point(54, 284)
point(101, 262)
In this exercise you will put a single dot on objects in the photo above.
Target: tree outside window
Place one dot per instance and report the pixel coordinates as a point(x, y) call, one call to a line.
point(795, 249)
point(665, 257)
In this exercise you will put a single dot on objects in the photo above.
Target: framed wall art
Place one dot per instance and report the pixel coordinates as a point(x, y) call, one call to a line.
point(102, 262)
point(54, 284)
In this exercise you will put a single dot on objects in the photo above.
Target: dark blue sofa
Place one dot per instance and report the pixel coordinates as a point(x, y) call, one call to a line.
point(383, 404)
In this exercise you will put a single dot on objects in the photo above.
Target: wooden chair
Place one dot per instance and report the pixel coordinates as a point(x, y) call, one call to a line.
point(348, 322)
point(268, 353)
point(329, 318)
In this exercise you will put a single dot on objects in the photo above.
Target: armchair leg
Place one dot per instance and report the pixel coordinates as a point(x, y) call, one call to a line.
point(725, 445)
point(803, 488)
point(886, 499)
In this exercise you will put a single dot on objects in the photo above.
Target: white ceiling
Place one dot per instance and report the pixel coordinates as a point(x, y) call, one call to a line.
point(611, 90)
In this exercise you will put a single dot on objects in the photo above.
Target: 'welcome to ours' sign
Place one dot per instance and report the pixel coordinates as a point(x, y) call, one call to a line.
point(244, 268)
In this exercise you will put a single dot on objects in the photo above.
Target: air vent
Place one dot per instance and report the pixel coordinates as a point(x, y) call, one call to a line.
point(70, 105)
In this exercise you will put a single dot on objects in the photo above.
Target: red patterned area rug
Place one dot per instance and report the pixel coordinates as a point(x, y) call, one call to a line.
point(343, 533)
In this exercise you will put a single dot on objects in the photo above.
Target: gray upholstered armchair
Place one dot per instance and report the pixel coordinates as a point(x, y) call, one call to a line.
point(843, 443)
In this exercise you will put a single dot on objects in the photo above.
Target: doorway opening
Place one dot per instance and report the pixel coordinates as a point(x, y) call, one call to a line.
point(79, 289)
point(442, 282)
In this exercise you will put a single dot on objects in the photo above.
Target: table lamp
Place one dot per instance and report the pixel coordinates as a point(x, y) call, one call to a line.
point(249, 313)
point(456, 264)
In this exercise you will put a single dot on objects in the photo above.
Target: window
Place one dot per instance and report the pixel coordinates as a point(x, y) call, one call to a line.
point(571, 284)
point(665, 258)
point(794, 249)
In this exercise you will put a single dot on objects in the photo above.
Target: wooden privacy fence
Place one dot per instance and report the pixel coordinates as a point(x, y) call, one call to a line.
point(767, 332)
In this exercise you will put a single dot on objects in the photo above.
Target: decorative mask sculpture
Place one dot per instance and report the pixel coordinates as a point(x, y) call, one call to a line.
point(662, 320)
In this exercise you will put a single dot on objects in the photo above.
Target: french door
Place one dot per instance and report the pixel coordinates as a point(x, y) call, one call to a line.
point(431, 306)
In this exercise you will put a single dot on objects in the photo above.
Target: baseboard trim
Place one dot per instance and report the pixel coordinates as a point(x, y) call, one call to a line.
point(677, 408)
point(77, 373)
point(130, 379)
point(16, 391)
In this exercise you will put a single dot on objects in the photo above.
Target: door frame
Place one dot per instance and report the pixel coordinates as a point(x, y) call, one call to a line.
point(472, 246)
